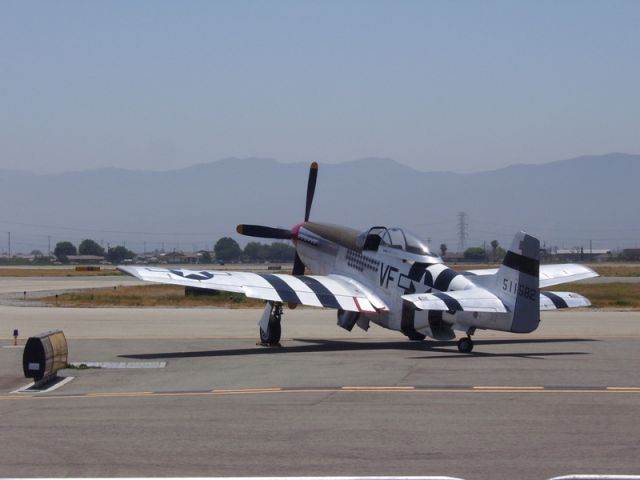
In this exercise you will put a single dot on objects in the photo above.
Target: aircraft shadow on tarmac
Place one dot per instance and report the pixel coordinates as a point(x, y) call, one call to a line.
point(321, 346)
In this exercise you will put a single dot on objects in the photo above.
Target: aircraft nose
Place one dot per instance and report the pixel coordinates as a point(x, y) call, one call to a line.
point(294, 232)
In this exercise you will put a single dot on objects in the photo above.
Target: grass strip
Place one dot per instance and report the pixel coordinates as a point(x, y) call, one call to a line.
point(150, 296)
point(606, 295)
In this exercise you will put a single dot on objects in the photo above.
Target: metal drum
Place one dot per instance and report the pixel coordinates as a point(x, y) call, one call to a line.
point(44, 355)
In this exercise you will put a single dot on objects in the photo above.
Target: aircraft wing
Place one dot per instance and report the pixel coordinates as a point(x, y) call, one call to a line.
point(549, 274)
point(331, 291)
point(481, 300)
point(556, 300)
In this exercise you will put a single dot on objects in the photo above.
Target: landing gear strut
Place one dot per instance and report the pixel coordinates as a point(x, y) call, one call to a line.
point(271, 337)
point(465, 344)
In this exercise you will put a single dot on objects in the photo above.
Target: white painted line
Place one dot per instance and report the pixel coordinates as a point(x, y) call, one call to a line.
point(116, 365)
point(597, 477)
point(53, 387)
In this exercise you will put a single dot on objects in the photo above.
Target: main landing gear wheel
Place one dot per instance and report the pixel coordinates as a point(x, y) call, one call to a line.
point(271, 338)
point(465, 345)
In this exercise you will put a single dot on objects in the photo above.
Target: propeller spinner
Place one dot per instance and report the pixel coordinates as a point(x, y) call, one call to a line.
point(281, 233)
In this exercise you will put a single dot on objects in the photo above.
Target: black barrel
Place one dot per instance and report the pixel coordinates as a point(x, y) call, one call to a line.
point(44, 355)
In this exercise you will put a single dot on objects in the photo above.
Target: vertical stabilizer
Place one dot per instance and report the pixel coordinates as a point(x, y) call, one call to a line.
point(518, 281)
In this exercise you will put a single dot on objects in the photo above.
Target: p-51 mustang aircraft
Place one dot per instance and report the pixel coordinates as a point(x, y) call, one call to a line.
point(389, 277)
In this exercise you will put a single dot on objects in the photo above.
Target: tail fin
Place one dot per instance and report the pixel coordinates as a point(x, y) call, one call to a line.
point(518, 282)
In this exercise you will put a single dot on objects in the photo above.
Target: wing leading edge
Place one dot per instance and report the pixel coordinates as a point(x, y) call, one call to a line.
point(312, 290)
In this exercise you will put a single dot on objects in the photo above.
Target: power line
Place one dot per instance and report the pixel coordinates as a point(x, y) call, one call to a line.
point(462, 230)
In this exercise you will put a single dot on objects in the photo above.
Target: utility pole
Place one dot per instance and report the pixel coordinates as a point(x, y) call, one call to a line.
point(9, 243)
point(462, 230)
point(49, 245)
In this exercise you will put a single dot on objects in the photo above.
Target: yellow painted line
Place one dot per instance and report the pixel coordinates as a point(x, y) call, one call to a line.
point(247, 390)
point(506, 387)
point(16, 397)
point(358, 389)
point(119, 394)
point(379, 388)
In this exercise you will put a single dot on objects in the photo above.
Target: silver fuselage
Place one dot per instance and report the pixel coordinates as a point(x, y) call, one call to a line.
point(388, 273)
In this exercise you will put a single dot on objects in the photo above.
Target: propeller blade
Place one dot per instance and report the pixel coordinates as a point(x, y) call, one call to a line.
point(298, 266)
point(264, 232)
point(311, 189)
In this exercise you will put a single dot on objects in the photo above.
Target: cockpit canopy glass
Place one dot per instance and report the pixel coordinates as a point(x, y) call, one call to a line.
point(400, 239)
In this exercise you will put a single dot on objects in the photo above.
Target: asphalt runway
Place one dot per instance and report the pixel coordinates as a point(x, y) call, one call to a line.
point(565, 399)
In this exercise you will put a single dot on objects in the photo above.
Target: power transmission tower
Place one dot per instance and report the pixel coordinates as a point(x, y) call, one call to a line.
point(462, 230)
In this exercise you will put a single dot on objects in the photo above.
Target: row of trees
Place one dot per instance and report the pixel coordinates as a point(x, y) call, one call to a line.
point(226, 250)
point(90, 247)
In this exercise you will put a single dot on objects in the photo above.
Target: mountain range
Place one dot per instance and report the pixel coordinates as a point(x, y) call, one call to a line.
point(565, 203)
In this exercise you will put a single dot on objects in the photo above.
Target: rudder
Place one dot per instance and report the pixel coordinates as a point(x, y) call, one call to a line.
point(518, 281)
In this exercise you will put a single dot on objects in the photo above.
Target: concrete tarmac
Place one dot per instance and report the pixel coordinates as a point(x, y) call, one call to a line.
point(565, 399)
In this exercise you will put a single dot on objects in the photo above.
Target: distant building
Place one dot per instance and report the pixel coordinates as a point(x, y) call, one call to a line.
point(580, 254)
point(85, 259)
point(631, 254)
point(180, 257)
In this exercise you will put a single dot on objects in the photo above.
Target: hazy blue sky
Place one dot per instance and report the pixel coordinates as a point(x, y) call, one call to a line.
point(454, 85)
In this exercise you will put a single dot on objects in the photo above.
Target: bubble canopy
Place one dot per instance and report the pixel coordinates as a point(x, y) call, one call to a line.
point(394, 238)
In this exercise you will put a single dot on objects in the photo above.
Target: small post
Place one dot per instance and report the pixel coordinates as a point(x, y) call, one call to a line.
point(56, 299)
point(24, 295)
point(15, 337)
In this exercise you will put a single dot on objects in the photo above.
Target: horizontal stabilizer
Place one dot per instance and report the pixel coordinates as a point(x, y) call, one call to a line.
point(549, 274)
point(472, 300)
point(564, 273)
point(556, 300)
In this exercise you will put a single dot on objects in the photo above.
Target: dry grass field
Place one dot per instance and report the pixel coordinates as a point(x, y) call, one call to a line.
point(626, 270)
point(150, 296)
point(55, 272)
point(607, 295)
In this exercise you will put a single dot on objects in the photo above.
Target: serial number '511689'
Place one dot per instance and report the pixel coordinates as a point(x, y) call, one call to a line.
point(517, 289)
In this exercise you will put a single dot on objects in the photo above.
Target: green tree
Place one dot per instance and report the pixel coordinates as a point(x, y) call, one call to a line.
point(281, 252)
point(443, 249)
point(90, 247)
point(256, 251)
point(63, 250)
point(119, 254)
point(475, 254)
point(494, 249)
point(227, 250)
